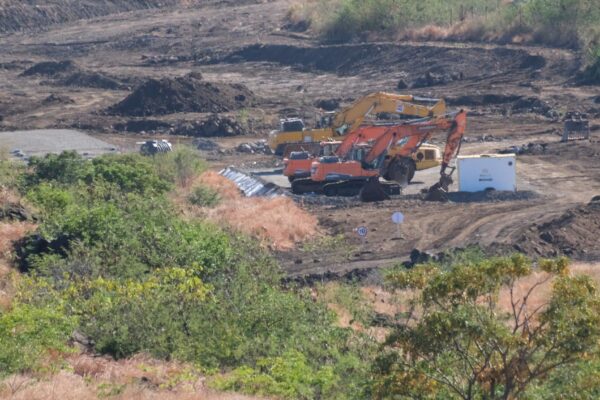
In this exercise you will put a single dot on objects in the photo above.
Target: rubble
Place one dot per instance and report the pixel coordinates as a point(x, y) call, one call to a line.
point(215, 125)
point(206, 144)
point(258, 147)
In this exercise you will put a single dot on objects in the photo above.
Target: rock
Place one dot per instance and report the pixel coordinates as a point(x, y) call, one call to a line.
point(402, 85)
point(547, 237)
point(245, 148)
point(215, 125)
point(432, 79)
point(328, 104)
point(57, 99)
point(206, 144)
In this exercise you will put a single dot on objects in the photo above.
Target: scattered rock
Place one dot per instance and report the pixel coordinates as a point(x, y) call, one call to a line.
point(215, 125)
point(328, 105)
point(402, 85)
point(526, 149)
point(183, 94)
point(144, 125)
point(532, 105)
point(57, 99)
point(206, 144)
point(482, 99)
point(434, 79)
point(258, 147)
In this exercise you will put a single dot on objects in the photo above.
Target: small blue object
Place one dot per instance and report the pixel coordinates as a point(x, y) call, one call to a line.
point(397, 218)
point(362, 231)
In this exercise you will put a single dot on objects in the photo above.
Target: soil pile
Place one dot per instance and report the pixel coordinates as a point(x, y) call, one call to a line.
point(215, 125)
point(444, 64)
point(67, 73)
point(185, 94)
point(51, 68)
point(574, 234)
point(18, 15)
point(142, 126)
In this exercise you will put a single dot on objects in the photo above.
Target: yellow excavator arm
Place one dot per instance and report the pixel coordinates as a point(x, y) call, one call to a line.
point(353, 116)
point(350, 118)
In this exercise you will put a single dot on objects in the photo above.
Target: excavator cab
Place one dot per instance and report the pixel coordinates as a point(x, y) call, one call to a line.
point(325, 120)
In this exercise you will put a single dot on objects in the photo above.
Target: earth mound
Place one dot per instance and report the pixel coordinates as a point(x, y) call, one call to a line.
point(51, 68)
point(574, 234)
point(215, 125)
point(184, 94)
point(68, 73)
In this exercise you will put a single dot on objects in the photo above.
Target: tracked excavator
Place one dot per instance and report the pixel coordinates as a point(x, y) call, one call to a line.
point(298, 163)
point(293, 136)
point(359, 172)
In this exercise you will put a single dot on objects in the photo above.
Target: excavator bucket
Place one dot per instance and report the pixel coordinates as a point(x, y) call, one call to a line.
point(373, 191)
point(439, 191)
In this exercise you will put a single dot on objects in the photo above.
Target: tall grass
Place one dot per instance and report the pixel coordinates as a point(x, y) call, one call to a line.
point(563, 23)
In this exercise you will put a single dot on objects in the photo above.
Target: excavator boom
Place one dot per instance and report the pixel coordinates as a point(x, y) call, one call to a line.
point(352, 117)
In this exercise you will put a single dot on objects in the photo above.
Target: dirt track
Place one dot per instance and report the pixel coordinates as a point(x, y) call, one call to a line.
point(513, 95)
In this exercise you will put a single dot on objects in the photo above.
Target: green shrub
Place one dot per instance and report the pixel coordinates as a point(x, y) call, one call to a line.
point(180, 166)
point(204, 196)
point(28, 334)
point(289, 377)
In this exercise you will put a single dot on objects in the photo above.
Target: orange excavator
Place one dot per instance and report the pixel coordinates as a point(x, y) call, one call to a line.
point(298, 163)
point(359, 172)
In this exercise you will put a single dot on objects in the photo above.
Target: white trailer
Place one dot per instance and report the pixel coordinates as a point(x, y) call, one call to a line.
point(487, 171)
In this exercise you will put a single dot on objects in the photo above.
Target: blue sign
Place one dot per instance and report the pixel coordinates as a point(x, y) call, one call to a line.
point(362, 231)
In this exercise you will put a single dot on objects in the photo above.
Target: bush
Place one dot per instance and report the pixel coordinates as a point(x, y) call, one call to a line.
point(204, 197)
point(28, 334)
point(289, 377)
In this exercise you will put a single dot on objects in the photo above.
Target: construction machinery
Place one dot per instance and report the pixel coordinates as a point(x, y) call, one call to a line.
point(359, 172)
point(292, 134)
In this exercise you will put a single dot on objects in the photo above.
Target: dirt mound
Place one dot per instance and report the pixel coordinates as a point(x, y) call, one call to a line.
point(184, 94)
point(57, 99)
point(16, 15)
point(350, 59)
point(91, 80)
point(215, 125)
point(144, 125)
point(574, 234)
point(67, 73)
point(51, 68)
point(482, 99)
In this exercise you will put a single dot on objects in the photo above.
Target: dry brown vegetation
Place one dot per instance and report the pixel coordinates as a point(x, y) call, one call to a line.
point(277, 222)
point(89, 377)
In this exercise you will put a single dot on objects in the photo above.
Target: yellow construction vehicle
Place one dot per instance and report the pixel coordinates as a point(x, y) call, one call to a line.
point(293, 136)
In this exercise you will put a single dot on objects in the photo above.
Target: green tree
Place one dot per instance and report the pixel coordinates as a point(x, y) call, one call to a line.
point(457, 342)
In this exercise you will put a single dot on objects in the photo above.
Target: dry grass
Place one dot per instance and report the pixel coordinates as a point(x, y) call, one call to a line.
point(278, 223)
point(9, 232)
point(98, 377)
point(226, 188)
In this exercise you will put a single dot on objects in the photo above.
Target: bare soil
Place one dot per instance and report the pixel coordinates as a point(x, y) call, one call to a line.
point(515, 95)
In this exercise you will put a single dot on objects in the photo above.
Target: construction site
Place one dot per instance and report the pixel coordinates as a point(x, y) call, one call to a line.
point(227, 77)
point(198, 195)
